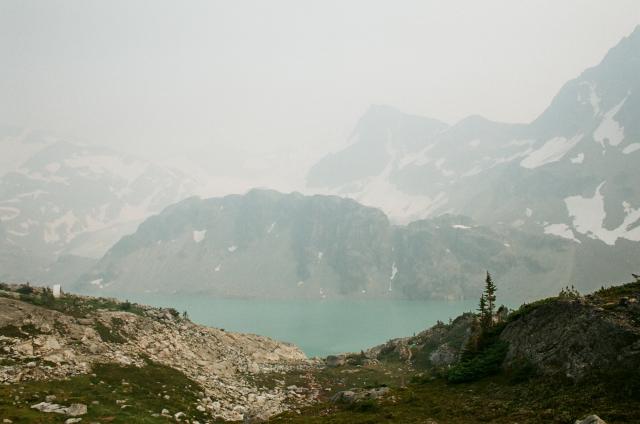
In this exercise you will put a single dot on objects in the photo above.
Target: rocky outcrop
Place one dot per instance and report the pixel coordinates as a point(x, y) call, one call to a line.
point(438, 346)
point(38, 343)
point(74, 410)
point(358, 395)
point(575, 337)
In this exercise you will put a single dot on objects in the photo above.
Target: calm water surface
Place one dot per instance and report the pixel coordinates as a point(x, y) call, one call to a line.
point(318, 327)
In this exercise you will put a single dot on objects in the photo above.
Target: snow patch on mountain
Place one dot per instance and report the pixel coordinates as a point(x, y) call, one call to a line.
point(61, 229)
point(551, 151)
point(52, 167)
point(420, 158)
point(394, 271)
point(107, 164)
point(578, 159)
point(592, 98)
point(198, 236)
point(561, 230)
point(378, 191)
point(20, 145)
point(631, 148)
point(609, 129)
point(588, 216)
point(8, 213)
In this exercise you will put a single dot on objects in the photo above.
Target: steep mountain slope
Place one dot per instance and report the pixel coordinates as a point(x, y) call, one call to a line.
point(271, 245)
point(75, 199)
point(572, 172)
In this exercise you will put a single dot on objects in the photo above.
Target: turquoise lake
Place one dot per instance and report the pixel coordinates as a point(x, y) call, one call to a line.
point(320, 327)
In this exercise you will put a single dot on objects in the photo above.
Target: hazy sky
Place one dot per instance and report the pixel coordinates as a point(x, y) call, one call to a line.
point(263, 75)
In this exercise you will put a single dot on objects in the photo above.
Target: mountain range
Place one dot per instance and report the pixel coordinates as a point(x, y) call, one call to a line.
point(541, 203)
point(573, 172)
point(266, 244)
point(69, 199)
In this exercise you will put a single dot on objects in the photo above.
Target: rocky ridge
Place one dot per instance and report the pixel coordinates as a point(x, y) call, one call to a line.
point(569, 336)
point(267, 244)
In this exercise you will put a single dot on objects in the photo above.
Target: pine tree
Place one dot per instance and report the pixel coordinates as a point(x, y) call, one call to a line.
point(482, 307)
point(471, 347)
point(490, 295)
point(484, 315)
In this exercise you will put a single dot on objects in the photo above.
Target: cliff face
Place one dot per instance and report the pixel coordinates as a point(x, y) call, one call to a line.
point(576, 337)
point(38, 343)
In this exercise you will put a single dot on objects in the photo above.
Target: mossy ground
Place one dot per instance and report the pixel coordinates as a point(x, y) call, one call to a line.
point(143, 389)
point(497, 399)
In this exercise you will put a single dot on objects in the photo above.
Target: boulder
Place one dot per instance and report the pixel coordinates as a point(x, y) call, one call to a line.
point(77, 409)
point(591, 419)
point(444, 355)
point(49, 407)
point(351, 396)
point(335, 360)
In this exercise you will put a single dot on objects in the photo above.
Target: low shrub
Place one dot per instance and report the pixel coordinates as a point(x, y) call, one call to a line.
point(486, 362)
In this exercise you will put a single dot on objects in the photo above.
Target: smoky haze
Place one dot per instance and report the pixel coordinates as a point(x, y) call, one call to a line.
point(225, 81)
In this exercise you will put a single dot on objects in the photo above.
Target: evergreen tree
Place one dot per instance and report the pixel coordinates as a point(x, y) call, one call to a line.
point(490, 295)
point(484, 315)
point(482, 307)
point(471, 347)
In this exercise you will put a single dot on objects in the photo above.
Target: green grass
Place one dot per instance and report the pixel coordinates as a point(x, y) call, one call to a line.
point(613, 294)
point(142, 388)
point(495, 399)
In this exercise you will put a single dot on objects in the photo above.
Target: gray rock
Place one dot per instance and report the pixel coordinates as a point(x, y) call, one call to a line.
point(335, 360)
point(345, 396)
point(351, 396)
point(77, 409)
point(444, 355)
point(49, 407)
point(571, 338)
point(591, 419)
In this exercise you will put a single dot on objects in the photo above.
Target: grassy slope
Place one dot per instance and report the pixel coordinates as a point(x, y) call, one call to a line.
point(141, 388)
